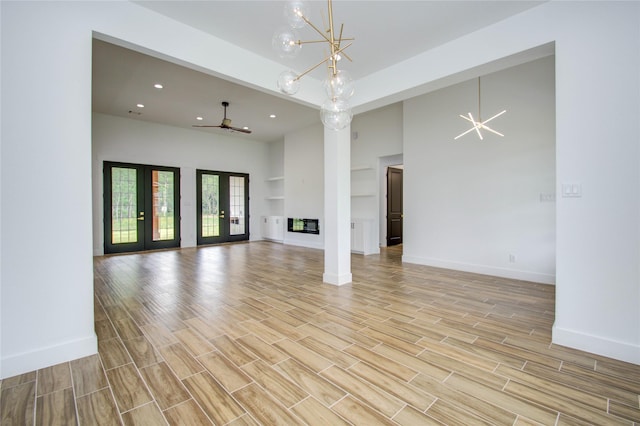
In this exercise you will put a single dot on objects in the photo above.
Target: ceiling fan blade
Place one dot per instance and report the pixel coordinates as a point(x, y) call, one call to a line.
point(200, 125)
point(237, 129)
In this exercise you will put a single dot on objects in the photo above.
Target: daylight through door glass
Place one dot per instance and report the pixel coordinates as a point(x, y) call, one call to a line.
point(163, 220)
point(236, 205)
point(124, 208)
point(210, 201)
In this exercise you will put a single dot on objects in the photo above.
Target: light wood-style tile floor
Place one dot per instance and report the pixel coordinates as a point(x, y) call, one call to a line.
point(248, 334)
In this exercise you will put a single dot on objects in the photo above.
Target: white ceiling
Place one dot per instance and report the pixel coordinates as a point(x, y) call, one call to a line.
point(385, 32)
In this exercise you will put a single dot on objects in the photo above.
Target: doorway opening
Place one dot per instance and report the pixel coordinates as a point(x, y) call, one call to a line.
point(141, 207)
point(223, 203)
point(394, 205)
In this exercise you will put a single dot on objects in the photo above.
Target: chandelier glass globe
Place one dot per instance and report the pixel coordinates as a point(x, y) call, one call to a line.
point(294, 11)
point(288, 82)
point(285, 41)
point(339, 85)
point(336, 113)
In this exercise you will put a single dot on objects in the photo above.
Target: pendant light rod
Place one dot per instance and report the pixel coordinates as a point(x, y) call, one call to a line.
point(479, 124)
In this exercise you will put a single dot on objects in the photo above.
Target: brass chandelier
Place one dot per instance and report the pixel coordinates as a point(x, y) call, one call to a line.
point(335, 112)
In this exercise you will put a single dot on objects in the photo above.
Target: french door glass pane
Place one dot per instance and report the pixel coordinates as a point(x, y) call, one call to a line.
point(124, 209)
point(236, 205)
point(210, 201)
point(162, 211)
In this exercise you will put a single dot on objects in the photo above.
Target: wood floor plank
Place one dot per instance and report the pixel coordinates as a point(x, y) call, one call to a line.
point(193, 341)
point(277, 385)
point(226, 372)
point(233, 351)
point(54, 378)
point(215, 401)
point(475, 404)
point(180, 360)
point(263, 407)
point(187, 413)
point(393, 386)
point(262, 349)
point(409, 416)
point(88, 375)
point(164, 385)
point(322, 389)
point(397, 368)
point(97, 408)
point(17, 403)
point(146, 415)
point(303, 355)
point(113, 353)
point(360, 414)
point(128, 388)
point(364, 391)
point(312, 412)
point(56, 408)
point(502, 399)
point(142, 352)
point(329, 352)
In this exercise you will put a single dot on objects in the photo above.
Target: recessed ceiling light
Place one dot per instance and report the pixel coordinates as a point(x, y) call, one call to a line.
point(158, 86)
point(199, 118)
point(272, 116)
point(140, 105)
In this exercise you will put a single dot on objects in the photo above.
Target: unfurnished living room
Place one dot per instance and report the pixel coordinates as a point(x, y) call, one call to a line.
point(320, 212)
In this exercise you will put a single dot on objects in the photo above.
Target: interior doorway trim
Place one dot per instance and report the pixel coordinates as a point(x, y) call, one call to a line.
point(383, 163)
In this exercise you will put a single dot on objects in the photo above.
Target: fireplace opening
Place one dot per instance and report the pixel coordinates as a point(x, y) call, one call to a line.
point(306, 226)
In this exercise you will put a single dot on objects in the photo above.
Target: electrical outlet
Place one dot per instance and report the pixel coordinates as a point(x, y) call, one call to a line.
point(512, 258)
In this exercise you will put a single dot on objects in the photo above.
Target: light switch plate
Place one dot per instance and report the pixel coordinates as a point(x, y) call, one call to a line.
point(571, 190)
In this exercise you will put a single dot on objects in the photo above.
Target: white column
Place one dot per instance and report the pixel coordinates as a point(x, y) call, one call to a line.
point(337, 206)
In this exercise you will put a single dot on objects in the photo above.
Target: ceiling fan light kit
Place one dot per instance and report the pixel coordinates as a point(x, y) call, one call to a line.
point(226, 122)
point(479, 125)
point(335, 112)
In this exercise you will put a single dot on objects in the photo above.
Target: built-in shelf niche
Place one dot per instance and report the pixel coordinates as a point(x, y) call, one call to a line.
point(275, 189)
point(362, 188)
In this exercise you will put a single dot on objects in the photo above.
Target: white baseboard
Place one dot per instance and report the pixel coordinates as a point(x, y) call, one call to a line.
point(536, 277)
point(304, 244)
point(596, 345)
point(336, 279)
point(45, 357)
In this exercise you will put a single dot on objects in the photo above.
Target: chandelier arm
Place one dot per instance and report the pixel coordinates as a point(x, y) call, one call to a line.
point(479, 113)
point(467, 118)
point(312, 68)
point(304, 18)
point(491, 130)
point(464, 133)
point(495, 116)
point(476, 126)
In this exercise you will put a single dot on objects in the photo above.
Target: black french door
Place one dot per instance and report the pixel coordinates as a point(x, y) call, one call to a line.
point(141, 207)
point(222, 207)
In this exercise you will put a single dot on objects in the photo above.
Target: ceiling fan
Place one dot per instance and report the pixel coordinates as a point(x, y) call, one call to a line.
point(226, 122)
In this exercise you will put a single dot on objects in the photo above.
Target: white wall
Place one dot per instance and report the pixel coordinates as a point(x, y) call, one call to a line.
point(46, 312)
point(46, 263)
point(304, 183)
point(471, 204)
point(598, 140)
point(375, 134)
point(134, 141)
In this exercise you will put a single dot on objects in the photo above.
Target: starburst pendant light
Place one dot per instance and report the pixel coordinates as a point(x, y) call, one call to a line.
point(335, 112)
point(479, 125)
